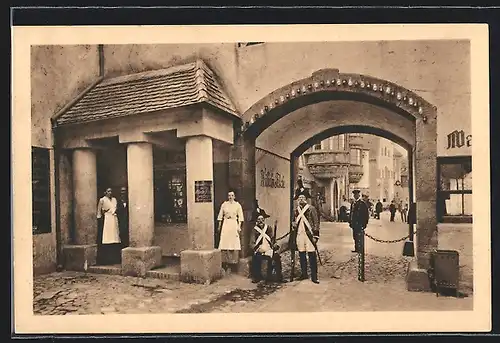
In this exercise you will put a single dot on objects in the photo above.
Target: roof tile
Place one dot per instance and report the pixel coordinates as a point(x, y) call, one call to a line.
point(150, 91)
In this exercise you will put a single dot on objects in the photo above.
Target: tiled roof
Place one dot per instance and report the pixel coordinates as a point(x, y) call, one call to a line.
point(148, 92)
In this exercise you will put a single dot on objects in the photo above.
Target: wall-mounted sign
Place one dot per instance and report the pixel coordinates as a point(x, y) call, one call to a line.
point(203, 191)
point(269, 178)
point(458, 139)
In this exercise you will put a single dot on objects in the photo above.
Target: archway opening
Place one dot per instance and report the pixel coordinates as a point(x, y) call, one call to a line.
point(276, 126)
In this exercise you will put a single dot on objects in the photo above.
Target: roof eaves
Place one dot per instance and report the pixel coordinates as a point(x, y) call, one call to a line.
point(71, 103)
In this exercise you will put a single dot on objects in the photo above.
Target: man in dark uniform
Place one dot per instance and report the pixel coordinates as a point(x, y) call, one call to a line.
point(358, 219)
point(305, 235)
point(265, 249)
point(122, 213)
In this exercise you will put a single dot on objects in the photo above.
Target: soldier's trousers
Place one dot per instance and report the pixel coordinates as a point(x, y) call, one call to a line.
point(272, 262)
point(313, 264)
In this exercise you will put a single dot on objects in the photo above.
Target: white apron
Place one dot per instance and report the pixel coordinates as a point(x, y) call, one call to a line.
point(110, 230)
point(231, 215)
point(303, 241)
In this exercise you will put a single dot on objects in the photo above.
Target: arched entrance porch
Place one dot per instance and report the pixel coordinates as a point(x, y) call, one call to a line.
point(282, 121)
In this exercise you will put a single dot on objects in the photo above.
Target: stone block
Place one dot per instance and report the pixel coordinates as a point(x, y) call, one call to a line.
point(417, 280)
point(79, 257)
point(138, 261)
point(201, 266)
point(244, 266)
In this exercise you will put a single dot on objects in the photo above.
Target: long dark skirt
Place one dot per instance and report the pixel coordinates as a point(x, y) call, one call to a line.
point(107, 253)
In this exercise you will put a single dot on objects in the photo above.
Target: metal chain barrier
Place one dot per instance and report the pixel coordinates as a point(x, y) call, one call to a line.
point(387, 240)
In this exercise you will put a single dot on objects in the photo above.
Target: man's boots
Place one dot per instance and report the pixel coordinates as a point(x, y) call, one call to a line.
point(303, 265)
point(313, 262)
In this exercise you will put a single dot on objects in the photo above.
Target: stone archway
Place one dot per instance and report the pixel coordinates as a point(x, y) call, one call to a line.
point(331, 85)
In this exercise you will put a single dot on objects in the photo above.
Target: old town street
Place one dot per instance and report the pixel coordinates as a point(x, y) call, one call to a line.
point(339, 288)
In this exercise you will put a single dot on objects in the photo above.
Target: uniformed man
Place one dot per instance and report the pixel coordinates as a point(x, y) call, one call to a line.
point(264, 249)
point(305, 232)
point(358, 219)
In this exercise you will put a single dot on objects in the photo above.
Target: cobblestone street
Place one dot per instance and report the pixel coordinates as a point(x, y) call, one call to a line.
point(339, 289)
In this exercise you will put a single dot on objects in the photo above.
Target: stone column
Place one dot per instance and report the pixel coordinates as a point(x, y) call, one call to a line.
point(201, 263)
point(425, 194)
point(199, 167)
point(83, 252)
point(141, 256)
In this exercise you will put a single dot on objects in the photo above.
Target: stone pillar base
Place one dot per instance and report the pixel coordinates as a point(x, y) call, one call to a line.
point(79, 257)
point(417, 280)
point(244, 266)
point(138, 261)
point(201, 266)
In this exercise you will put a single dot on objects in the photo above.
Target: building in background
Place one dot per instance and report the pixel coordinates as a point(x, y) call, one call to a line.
point(375, 165)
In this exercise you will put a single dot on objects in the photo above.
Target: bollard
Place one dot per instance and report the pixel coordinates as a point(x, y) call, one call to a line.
point(361, 258)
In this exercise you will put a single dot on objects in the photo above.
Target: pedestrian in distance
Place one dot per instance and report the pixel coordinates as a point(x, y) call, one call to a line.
point(378, 209)
point(392, 210)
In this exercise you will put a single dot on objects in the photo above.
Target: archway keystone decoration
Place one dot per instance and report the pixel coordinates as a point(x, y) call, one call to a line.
point(330, 85)
point(330, 80)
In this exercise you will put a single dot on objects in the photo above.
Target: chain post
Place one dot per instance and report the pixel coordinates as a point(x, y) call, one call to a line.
point(361, 258)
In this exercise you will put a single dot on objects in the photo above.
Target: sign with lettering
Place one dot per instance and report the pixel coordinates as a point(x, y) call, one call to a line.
point(458, 139)
point(203, 191)
point(268, 178)
point(40, 181)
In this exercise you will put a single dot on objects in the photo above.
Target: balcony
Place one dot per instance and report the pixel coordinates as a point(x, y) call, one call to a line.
point(355, 173)
point(327, 164)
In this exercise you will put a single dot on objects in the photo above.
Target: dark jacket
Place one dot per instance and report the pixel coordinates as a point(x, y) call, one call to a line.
point(359, 215)
point(378, 207)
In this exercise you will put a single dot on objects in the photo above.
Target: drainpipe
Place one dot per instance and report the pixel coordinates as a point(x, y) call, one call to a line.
point(100, 48)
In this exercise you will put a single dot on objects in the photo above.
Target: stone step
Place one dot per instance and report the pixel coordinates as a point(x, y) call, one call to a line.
point(114, 269)
point(164, 272)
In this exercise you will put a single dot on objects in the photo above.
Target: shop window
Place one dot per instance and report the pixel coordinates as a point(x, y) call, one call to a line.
point(170, 187)
point(454, 202)
point(40, 181)
point(170, 197)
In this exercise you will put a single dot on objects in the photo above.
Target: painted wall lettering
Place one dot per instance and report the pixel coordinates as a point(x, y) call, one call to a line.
point(458, 139)
point(269, 178)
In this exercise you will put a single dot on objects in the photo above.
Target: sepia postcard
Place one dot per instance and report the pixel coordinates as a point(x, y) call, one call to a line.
point(280, 178)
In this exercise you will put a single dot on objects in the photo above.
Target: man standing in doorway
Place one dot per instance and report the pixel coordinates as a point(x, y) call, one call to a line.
point(358, 219)
point(122, 212)
point(305, 228)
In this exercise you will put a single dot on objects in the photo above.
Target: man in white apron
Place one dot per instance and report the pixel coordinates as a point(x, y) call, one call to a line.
point(264, 249)
point(306, 233)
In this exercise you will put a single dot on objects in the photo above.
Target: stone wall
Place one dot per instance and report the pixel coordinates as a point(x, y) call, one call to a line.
point(272, 179)
point(58, 74)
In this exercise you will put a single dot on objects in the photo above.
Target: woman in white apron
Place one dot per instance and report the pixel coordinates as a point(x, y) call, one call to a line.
point(230, 220)
point(108, 245)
